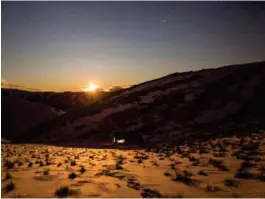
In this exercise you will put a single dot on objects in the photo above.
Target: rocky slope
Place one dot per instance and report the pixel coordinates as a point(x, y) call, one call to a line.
point(177, 107)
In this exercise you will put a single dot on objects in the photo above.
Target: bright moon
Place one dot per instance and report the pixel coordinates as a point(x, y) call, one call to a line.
point(92, 87)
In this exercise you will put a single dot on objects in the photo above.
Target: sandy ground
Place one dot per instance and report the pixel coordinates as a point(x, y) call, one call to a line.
point(193, 170)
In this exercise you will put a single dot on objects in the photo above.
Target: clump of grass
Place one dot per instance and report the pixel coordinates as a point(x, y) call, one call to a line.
point(148, 193)
point(46, 172)
point(231, 182)
point(215, 162)
point(19, 163)
point(9, 187)
point(192, 159)
point(202, 173)
point(218, 164)
point(63, 192)
point(48, 163)
point(118, 167)
point(140, 161)
point(172, 166)
point(30, 164)
point(41, 164)
point(82, 169)
point(104, 172)
point(9, 165)
point(167, 174)
point(187, 173)
point(132, 183)
point(247, 164)
point(186, 179)
point(72, 175)
point(244, 174)
point(76, 157)
point(73, 163)
point(8, 176)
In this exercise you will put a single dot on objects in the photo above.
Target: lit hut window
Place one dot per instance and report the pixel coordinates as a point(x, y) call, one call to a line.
point(121, 141)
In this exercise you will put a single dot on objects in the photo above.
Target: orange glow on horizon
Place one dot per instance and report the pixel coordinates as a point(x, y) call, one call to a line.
point(92, 87)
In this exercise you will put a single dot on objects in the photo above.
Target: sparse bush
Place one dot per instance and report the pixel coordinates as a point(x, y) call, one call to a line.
point(140, 161)
point(172, 166)
point(62, 192)
point(231, 182)
point(244, 174)
point(195, 164)
point(133, 184)
point(215, 162)
point(187, 173)
point(9, 165)
point(167, 174)
point(247, 164)
point(202, 173)
point(73, 163)
point(118, 167)
point(104, 172)
point(9, 187)
point(192, 159)
point(8, 176)
point(186, 179)
point(46, 172)
point(30, 164)
point(59, 164)
point(218, 164)
point(41, 164)
point(72, 175)
point(82, 170)
point(223, 167)
point(19, 163)
point(148, 193)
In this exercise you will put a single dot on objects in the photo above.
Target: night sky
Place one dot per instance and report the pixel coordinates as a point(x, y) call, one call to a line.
point(65, 45)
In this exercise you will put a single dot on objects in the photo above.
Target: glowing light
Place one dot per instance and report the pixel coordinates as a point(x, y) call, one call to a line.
point(92, 87)
point(121, 141)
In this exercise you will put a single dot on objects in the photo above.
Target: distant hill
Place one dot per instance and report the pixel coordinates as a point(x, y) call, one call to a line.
point(59, 100)
point(20, 115)
point(175, 108)
point(22, 110)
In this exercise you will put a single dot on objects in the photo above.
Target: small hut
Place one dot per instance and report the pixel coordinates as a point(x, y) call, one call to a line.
point(128, 138)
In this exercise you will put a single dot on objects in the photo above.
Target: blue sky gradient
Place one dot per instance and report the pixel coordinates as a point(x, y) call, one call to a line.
point(65, 45)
